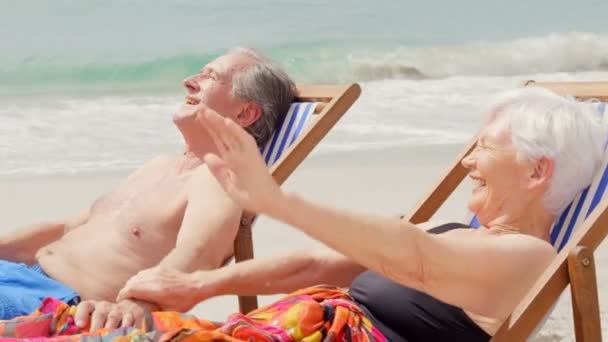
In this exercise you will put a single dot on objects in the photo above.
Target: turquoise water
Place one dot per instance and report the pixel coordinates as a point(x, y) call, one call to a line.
point(92, 85)
point(137, 46)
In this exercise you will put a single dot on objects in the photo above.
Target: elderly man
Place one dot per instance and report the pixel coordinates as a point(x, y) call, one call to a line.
point(170, 213)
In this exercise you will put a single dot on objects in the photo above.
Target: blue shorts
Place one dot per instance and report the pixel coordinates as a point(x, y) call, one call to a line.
point(23, 288)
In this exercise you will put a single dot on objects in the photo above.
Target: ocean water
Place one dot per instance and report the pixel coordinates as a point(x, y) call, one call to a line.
point(92, 85)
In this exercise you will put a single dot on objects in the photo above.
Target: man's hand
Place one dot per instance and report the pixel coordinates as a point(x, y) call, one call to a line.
point(168, 288)
point(102, 314)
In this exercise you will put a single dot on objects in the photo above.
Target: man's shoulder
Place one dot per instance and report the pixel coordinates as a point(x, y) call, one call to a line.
point(202, 174)
point(202, 182)
point(153, 163)
point(203, 187)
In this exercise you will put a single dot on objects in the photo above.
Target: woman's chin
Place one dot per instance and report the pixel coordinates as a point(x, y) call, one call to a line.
point(473, 205)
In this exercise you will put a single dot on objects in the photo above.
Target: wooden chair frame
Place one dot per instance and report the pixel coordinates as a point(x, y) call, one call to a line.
point(574, 265)
point(334, 101)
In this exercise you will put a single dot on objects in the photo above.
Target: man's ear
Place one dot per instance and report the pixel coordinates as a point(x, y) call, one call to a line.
point(250, 114)
point(541, 172)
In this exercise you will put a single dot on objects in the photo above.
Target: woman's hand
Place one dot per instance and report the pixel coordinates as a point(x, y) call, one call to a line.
point(168, 288)
point(238, 165)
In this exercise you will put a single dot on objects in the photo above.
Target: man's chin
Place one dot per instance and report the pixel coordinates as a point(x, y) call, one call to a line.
point(185, 112)
point(181, 118)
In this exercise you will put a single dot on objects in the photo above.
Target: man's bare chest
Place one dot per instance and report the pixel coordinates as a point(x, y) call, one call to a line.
point(148, 200)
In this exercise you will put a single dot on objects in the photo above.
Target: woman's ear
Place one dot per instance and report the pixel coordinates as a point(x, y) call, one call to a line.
point(541, 172)
point(250, 114)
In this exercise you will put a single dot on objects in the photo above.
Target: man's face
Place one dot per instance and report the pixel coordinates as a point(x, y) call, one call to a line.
point(213, 87)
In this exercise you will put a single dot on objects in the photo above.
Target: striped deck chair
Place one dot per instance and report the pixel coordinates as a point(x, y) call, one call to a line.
point(314, 112)
point(576, 234)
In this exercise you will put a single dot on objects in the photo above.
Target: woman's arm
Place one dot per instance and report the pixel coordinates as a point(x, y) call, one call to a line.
point(468, 272)
point(174, 290)
point(389, 246)
point(283, 274)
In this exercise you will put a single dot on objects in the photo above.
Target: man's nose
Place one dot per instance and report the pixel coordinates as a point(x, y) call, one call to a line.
point(191, 85)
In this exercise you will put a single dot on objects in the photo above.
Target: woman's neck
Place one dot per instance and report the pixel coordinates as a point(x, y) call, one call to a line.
point(534, 220)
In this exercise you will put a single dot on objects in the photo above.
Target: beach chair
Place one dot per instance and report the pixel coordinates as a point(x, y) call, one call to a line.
point(313, 113)
point(576, 235)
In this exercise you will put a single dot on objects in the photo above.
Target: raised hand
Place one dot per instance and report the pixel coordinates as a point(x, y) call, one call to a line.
point(238, 165)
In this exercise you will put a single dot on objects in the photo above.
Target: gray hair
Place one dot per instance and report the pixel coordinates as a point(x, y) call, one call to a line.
point(266, 84)
point(567, 131)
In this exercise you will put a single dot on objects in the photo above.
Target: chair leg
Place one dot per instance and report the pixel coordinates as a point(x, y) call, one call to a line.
point(247, 304)
point(243, 250)
point(583, 285)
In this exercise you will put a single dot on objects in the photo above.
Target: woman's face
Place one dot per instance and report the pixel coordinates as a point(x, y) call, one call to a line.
point(501, 182)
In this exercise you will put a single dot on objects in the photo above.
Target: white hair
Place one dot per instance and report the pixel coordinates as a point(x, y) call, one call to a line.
point(567, 131)
point(266, 84)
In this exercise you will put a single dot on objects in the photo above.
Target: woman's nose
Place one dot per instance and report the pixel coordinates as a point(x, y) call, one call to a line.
point(468, 161)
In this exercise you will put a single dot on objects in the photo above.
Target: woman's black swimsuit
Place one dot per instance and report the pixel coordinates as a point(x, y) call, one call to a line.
point(404, 314)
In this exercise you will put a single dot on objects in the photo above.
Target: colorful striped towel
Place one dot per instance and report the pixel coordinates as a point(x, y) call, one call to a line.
point(314, 314)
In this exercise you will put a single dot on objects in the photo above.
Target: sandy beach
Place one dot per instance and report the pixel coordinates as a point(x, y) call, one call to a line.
point(88, 90)
point(385, 182)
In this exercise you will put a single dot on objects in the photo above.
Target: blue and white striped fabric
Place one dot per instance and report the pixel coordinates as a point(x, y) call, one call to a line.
point(298, 116)
point(582, 205)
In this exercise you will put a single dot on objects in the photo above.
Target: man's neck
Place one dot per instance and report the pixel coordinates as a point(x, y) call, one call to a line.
point(198, 151)
point(198, 143)
point(193, 157)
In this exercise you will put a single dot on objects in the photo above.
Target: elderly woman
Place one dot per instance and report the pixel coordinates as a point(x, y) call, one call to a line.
point(536, 152)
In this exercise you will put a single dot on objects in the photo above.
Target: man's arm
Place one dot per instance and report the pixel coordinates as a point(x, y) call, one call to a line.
point(208, 228)
point(22, 244)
